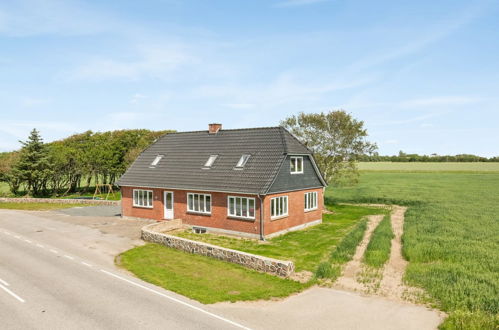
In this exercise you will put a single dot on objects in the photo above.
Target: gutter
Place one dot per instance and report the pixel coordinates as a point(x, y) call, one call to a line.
point(262, 220)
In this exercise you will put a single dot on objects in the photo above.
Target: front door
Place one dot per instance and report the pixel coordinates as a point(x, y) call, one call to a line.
point(168, 202)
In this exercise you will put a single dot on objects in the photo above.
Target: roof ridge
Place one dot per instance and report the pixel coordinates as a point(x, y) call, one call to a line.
point(230, 129)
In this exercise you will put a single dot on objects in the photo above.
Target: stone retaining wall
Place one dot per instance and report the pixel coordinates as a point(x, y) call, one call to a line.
point(268, 265)
point(59, 200)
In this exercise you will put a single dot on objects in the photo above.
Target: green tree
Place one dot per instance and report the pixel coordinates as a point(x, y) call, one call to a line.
point(33, 166)
point(337, 141)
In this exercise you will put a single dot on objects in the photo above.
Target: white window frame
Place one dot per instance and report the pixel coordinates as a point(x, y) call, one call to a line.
point(279, 207)
point(311, 201)
point(156, 160)
point(211, 160)
point(295, 159)
point(200, 199)
point(242, 161)
point(243, 200)
point(143, 198)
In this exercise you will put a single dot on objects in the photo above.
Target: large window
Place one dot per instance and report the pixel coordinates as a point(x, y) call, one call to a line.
point(241, 207)
point(279, 207)
point(199, 203)
point(156, 160)
point(142, 198)
point(311, 201)
point(296, 165)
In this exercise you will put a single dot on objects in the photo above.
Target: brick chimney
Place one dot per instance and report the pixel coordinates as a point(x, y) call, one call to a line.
point(214, 128)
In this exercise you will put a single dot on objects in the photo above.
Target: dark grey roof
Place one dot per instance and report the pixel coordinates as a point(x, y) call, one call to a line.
point(185, 154)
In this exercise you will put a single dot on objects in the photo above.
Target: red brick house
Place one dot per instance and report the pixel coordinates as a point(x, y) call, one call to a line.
point(256, 182)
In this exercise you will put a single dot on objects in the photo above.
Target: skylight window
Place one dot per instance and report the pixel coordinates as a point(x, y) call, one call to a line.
point(210, 161)
point(242, 161)
point(156, 160)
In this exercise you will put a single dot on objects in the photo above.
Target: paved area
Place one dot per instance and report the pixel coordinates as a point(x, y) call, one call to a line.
point(93, 211)
point(52, 278)
point(323, 308)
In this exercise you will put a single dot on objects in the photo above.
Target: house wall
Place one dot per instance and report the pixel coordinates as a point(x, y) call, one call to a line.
point(297, 215)
point(219, 218)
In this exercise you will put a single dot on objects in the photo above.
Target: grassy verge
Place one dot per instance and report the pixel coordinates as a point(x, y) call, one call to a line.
point(342, 253)
point(306, 248)
point(37, 206)
point(378, 249)
point(450, 237)
point(201, 278)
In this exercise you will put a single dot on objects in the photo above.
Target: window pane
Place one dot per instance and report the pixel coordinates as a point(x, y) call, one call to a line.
point(285, 205)
point(232, 210)
point(208, 203)
point(244, 202)
point(293, 164)
point(299, 164)
point(150, 198)
point(190, 206)
point(272, 207)
point(238, 206)
point(201, 203)
point(251, 207)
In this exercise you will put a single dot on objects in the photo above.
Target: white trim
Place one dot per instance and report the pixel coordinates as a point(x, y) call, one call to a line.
point(278, 212)
point(195, 189)
point(310, 201)
point(247, 207)
point(204, 203)
point(145, 206)
point(294, 159)
point(164, 205)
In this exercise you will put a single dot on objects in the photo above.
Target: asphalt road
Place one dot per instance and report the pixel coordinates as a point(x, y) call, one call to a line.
point(50, 281)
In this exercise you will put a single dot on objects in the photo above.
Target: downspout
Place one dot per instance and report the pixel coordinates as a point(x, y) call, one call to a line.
point(262, 220)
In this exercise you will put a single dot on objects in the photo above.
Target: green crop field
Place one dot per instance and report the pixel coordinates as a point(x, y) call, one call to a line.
point(451, 233)
point(429, 167)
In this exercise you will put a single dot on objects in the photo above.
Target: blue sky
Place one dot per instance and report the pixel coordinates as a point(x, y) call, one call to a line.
point(422, 75)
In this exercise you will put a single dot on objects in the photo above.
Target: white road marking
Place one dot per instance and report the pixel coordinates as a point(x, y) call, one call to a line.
point(11, 293)
point(3, 282)
point(177, 300)
point(69, 257)
point(84, 263)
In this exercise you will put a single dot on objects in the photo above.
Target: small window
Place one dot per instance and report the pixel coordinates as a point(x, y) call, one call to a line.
point(278, 207)
point(311, 201)
point(296, 165)
point(156, 160)
point(142, 198)
point(242, 161)
point(241, 207)
point(210, 161)
point(199, 203)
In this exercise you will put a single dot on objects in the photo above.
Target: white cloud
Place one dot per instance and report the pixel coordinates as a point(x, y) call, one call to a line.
point(33, 102)
point(137, 97)
point(150, 61)
point(297, 3)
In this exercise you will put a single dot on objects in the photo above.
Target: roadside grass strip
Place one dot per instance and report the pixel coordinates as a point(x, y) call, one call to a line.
point(37, 206)
point(204, 279)
point(378, 249)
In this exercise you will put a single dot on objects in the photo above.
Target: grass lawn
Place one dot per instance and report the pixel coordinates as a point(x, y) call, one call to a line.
point(202, 278)
point(451, 237)
point(37, 206)
point(306, 248)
